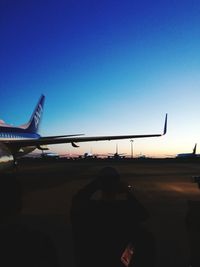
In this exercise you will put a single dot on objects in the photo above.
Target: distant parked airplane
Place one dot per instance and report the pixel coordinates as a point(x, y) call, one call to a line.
point(18, 141)
point(116, 155)
point(88, 155)
point(188, 155)
point(50, 155)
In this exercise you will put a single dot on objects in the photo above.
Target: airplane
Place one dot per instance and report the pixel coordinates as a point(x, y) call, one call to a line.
point(50, 155)
point(88, 155)
point(117, 155)
point(18, 141)
point(188, 155)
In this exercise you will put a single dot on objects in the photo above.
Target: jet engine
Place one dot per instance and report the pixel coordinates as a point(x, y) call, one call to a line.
point(6, 157)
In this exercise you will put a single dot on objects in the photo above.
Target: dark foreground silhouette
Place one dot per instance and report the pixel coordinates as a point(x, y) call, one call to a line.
point(193, 230)
point(20, 245)
point(108, 231)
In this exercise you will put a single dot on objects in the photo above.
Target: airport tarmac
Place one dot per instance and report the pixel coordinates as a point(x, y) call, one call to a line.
point(163, 186)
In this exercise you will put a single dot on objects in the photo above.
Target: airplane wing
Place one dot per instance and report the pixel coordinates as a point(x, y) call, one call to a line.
point(59, 136)
point(49, 140)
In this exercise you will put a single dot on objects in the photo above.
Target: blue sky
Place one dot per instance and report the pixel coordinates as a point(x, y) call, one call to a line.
point(105, 67)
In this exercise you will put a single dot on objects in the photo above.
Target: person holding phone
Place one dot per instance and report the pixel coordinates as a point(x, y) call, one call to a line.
point(108, 229)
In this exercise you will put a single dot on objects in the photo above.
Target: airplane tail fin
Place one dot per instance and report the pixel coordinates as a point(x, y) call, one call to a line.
point(34, 122)
point(194, 149)
point(116, 148)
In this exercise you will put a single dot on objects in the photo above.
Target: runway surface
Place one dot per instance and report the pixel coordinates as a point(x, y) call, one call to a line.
point(163, 186)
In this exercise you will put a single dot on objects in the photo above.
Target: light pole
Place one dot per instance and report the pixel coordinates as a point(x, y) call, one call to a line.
point(131, 148)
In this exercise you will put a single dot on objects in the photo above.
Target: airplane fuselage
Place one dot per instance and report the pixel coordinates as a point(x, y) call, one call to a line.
point(8, 134)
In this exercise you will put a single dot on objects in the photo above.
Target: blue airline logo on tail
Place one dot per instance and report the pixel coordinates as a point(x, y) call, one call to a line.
point(38, 115)
point(35, 120)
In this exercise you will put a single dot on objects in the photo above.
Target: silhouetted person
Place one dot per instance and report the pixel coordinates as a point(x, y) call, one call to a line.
point(103, 228)
point(20, 245)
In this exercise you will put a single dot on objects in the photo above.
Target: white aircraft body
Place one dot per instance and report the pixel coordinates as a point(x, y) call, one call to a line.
point(18, 141)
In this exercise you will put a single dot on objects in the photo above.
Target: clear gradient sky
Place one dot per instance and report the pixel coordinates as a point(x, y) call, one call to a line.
point(105, 67)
